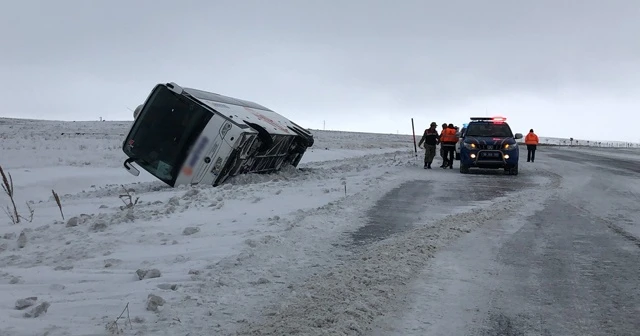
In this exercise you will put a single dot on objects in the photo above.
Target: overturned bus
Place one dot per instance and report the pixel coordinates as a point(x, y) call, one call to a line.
point(187, 136)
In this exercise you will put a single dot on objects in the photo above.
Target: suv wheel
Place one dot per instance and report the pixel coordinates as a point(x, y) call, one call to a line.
point(511, 170)
point(514, 170)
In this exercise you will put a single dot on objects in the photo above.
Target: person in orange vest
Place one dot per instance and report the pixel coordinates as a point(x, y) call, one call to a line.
point(448, 140)
point(531, 140)
point(442, 148)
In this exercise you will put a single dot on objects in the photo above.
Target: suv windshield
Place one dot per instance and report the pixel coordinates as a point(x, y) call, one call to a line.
point(498, 130)
point(165, 130)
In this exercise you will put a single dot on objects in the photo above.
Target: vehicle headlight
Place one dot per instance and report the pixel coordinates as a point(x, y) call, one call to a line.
point(510, 146)
point(470, 146)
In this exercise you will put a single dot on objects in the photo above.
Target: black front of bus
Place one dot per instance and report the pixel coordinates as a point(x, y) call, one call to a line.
point(166, 127)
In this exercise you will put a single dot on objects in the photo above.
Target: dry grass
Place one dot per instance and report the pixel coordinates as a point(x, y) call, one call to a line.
point(12, 212)
point(57, 198)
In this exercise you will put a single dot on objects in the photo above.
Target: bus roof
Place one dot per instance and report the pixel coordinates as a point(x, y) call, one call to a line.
point(199, 94)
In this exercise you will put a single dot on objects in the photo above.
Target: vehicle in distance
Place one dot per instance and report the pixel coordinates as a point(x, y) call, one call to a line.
point(489, 143)
point(187, 136)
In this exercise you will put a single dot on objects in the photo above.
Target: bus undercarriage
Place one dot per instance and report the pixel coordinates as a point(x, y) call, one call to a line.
point(264, 153)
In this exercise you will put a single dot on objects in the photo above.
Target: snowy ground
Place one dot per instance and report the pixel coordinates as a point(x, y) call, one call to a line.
point(585, 142)
point(198, 238)
point(603, 182)
point(630, 154)
point(260, 255)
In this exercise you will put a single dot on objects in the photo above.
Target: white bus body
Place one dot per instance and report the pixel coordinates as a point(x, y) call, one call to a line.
point(187, 136)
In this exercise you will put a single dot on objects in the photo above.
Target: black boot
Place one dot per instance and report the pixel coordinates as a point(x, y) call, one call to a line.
point(429, 166)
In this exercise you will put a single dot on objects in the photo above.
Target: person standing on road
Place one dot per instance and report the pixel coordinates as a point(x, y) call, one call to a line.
point(448, 140)
point(442, 152)
point(531, 140)
point(430, 138)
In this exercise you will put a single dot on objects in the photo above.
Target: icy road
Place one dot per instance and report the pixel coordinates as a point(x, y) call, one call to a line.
point(362, 241)
point(567, 263)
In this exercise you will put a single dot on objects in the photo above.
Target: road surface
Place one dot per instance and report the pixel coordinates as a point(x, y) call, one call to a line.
point(553, 251)
point(567, 265)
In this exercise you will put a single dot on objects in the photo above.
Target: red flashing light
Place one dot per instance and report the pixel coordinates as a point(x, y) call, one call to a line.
point(498, 119)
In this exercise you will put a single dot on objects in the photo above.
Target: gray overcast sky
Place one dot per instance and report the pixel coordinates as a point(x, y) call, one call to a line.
point(564, 68)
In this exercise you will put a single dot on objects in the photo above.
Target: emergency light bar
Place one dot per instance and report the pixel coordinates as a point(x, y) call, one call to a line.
point(494, 119)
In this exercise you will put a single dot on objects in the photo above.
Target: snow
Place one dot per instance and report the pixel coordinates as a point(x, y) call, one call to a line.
point(620, 208)
point(629, 154)
point(588, 142)
point(222, 253)
point(444, 299)
point(258, 255)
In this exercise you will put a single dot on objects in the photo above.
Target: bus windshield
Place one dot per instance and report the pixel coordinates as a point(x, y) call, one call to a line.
point(163, 133)
point(498, 130)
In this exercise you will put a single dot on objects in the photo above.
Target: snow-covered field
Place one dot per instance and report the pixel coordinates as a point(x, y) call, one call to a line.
point(587, 143)
point(629, 154)
point(259, 255)
point(220, 253)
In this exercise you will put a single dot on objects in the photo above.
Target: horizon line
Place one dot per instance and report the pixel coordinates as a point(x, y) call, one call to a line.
point(317, 129)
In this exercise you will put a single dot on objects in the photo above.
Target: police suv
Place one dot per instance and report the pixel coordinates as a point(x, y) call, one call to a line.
point(488, 142)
